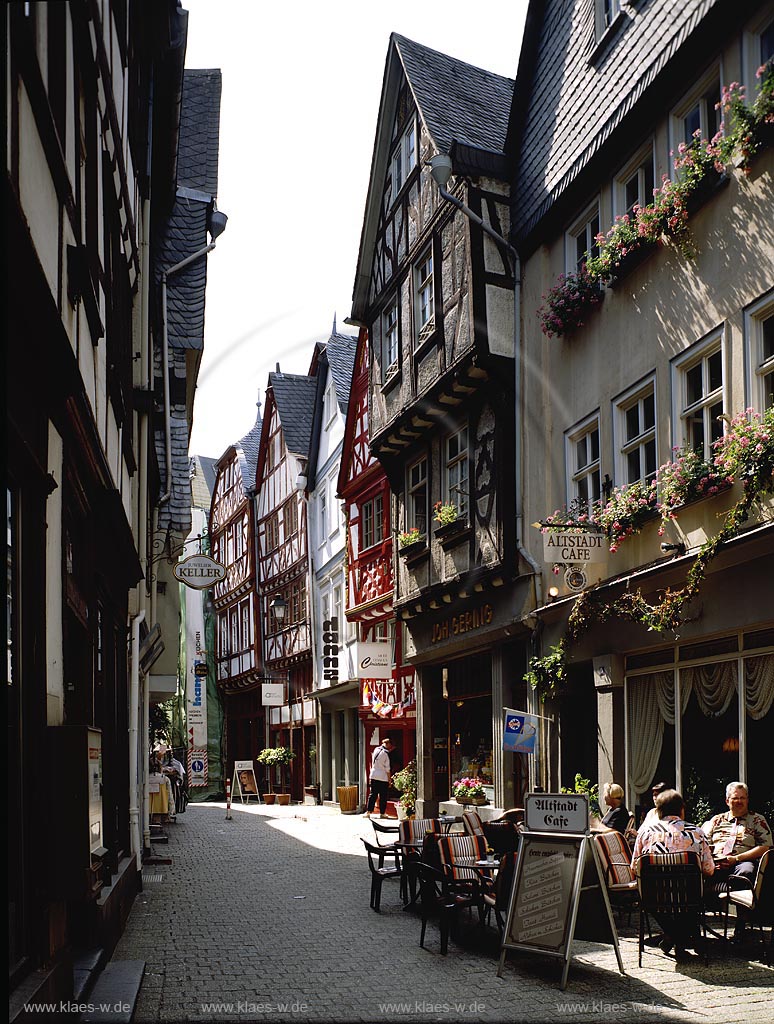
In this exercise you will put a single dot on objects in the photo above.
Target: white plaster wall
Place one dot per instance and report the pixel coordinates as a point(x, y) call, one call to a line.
point(37, 193)
point(54, 595)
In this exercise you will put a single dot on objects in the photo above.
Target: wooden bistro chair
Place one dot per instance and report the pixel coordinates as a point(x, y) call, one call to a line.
point(459, 854)
point(376, 857)
point(754, 905)
point(620, 879)
point(670, 884)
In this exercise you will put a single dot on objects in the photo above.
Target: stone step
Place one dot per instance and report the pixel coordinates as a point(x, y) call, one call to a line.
point(115, 992)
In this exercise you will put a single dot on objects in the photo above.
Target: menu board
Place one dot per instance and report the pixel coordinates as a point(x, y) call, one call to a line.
point(542, 897)
point(556, 877)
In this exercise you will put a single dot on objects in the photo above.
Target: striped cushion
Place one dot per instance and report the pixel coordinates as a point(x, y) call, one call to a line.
point(459, 853)
point(615, 858)
point(666, 859)
point(472, 823)
point(413, 830)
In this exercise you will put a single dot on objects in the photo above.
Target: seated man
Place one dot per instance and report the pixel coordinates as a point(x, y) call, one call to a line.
point(673, 834)
point(738, 840)
point(652, 817)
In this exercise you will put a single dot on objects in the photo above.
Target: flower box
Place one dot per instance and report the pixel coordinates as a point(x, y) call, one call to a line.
point(712, 182)
point(412, 551)
point(449, 533)
point(475, 801)
point(632, 260)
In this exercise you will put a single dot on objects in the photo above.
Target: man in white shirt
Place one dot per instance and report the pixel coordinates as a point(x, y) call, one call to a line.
point(380, 777)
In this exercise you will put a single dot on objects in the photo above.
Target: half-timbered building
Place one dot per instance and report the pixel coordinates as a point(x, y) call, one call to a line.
point(386, 696)
point(435, 291)
point(238, 640)
point(281, 530)
point(93, 114)
point(337, 755)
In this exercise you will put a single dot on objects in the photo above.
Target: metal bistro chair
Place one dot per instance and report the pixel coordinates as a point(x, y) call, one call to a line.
point(619, 878)
point(379, 872)
point(754, 905)
point(670, 885)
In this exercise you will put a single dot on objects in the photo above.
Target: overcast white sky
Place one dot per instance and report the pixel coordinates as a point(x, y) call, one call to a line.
point(301, 88)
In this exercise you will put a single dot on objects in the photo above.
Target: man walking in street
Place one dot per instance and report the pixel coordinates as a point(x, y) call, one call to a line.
point(379, 778)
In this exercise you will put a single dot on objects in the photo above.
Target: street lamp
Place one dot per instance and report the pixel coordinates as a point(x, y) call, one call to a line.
point(279, 606)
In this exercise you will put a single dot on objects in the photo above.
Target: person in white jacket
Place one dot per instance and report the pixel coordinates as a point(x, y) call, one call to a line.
point(379, 777)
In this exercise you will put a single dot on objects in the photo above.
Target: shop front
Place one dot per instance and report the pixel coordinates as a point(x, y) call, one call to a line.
point(470, 659)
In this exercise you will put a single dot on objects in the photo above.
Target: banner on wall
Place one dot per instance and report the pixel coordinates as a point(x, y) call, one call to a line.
point(520, 732)
point(196, 681)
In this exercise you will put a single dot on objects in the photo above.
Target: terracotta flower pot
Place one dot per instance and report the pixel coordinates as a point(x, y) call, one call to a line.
point(269, 798)
point(283, 799)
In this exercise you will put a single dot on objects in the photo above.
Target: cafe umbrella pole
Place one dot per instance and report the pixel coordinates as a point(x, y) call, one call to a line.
point(228, 799)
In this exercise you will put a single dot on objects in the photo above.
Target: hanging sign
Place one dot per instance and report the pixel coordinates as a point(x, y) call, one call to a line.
point(520, 732)
point(559, 895)
point(374, 660)
point(199, 572)
point(574, 547)
point(272, 694)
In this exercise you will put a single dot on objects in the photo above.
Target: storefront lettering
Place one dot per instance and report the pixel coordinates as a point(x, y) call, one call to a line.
point(330, 639)
point(462, 623)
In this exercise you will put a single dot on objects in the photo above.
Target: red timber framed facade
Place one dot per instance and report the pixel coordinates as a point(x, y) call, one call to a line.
point(238, 659)
point(387, 706)
point(282, 545)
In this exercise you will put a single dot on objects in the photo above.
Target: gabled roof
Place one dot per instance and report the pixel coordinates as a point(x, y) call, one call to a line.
point(247, 452)
point(340, 350)
point(457, 101)
point(464, 109)
point(294, 396)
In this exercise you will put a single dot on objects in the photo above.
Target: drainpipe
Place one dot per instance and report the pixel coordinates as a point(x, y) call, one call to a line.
point(134, 727)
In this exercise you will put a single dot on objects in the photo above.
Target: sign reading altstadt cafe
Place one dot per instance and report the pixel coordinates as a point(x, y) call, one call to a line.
point(199, 572)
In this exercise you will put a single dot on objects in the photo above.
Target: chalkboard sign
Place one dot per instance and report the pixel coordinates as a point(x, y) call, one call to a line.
point(555, 875)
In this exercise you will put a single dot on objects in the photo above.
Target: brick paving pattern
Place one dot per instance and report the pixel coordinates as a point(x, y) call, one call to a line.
point(266, 918)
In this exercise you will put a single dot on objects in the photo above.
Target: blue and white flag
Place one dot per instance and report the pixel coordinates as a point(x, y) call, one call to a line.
point(520, 732)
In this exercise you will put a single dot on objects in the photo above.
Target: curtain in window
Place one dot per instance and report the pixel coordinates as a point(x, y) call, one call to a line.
point(759, 683)
point(714, 686)
point(651, 705)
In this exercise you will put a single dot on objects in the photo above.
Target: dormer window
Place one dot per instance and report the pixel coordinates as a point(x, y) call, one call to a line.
point(404, 157)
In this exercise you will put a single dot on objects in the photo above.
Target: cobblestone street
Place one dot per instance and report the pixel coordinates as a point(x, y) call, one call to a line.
point(266, 917)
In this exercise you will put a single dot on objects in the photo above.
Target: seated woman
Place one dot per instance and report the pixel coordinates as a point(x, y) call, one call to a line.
point(617, 818)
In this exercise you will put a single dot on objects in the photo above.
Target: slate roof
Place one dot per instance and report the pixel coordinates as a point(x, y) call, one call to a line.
point(341, 349)
point(570, 100)
point(202, 472)
point(197, 158)
point(457, 101)
point(294, 396)
point(247, 452)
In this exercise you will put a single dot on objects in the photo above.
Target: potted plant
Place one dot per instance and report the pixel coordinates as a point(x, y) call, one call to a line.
point(279, 756)
point(411, 541)
point(451, 523)
point(405, 781)
point(591, 790)
point(469, 791)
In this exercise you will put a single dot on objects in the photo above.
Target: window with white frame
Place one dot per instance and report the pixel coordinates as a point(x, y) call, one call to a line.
point(580, 242)
point(390, 357)
point(759, 338)
point(634, 185)
point(456, 470)
point(582, 447)
point(424, 293)
point(329, 401)
point(698, 389)
point(324, 519)
point(372, 522)
point(697, 113)
point(416, 496)
point(335, 507)
point(635, 434)
point(404, 157)
point(758, 50)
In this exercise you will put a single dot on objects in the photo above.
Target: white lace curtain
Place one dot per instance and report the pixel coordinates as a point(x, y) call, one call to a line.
point(714, 686)
point(651, 705)
point(759, 685)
